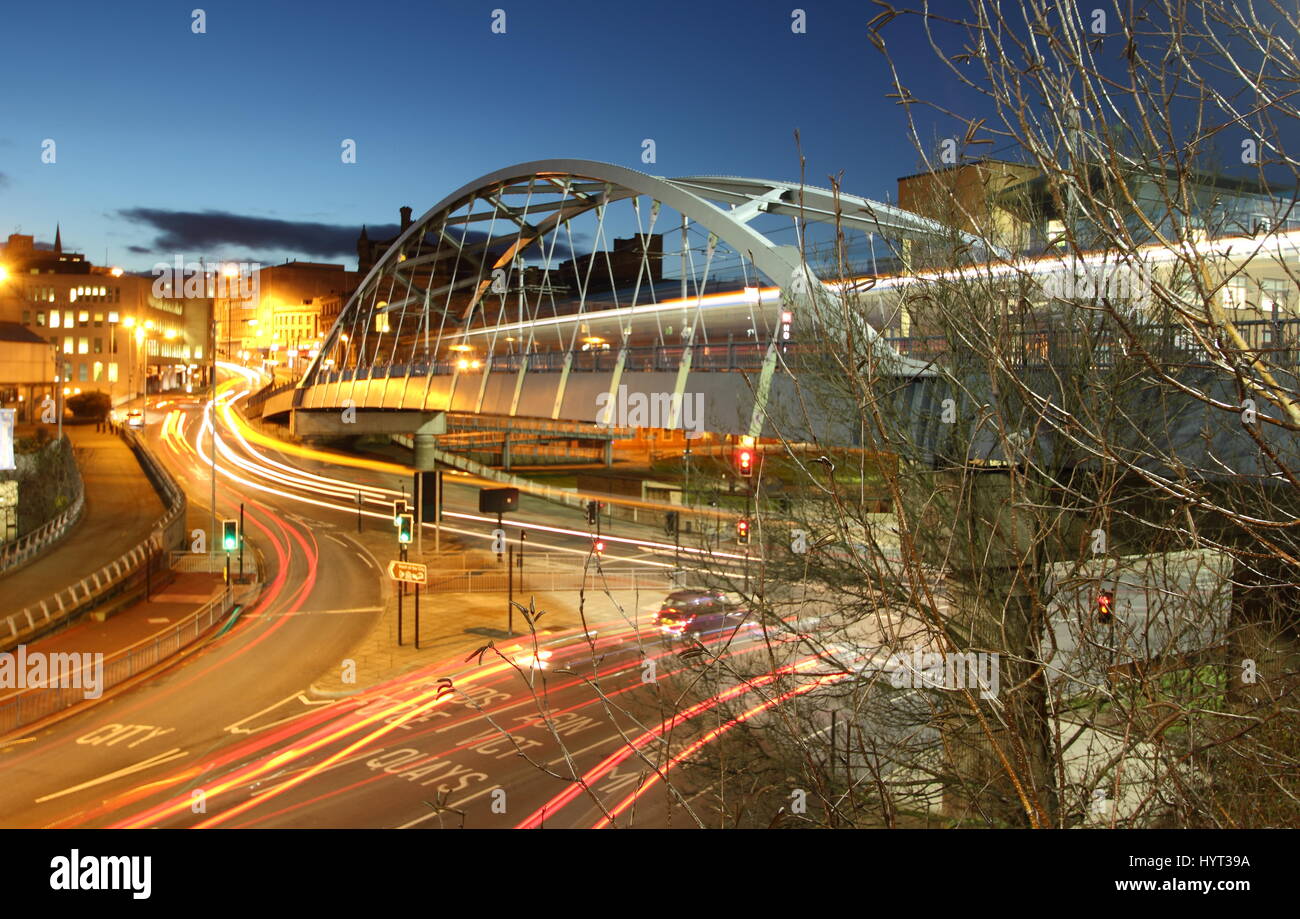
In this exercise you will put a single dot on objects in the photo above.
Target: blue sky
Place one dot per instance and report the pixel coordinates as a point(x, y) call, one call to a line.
point(248, 118)
point(151, 119)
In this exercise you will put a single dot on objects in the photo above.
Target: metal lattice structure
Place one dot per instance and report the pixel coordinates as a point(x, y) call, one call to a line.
point(567, 266)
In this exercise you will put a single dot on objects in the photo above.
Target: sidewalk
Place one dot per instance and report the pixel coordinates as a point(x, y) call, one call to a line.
point(186, 593)
point(121, 509)
point(454, 624)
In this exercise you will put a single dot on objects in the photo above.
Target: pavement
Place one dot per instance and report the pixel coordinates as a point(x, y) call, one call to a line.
point(121, 510)
point(457, 623)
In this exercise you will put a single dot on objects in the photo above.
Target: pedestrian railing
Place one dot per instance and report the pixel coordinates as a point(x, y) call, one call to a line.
point(72, 683)
point(26, 547)
point(498, 580)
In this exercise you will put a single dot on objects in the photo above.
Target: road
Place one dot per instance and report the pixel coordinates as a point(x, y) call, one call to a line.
point(230, 736)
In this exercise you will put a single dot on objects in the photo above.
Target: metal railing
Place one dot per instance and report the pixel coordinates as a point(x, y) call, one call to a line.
point(25, 547)
point(497, 580)
point(86, 593)
point(1277, 341)
point(33, 703)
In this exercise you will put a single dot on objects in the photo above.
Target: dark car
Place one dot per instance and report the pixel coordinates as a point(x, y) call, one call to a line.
point(698, 610)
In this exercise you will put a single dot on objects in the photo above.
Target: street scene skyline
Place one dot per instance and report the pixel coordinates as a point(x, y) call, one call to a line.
point(725, 417)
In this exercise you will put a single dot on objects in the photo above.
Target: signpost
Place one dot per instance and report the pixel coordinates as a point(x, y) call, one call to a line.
point(404, 572)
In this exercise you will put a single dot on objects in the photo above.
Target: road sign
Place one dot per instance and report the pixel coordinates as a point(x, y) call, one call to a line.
point(410, 572)
point(498, 500)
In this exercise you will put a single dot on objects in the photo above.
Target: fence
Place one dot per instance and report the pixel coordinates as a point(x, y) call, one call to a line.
point(494, 580)
point(36, 702)
point(113, 577)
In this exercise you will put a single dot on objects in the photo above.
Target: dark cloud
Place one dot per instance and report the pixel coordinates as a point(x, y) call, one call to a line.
point(200, 231)
point(194, 231)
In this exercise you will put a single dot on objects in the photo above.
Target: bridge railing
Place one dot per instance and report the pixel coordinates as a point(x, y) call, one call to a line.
point(1277, 341)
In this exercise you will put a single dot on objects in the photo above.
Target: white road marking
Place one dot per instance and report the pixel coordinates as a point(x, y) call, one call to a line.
point(237, 728)
point(172, 754)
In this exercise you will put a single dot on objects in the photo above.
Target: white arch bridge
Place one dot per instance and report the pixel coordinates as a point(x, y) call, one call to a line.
point(525, 301)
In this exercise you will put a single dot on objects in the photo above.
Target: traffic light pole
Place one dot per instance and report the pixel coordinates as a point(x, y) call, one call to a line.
point(510, 590)
point(241, 542)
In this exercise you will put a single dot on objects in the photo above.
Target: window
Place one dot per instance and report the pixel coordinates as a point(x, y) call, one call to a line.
point(83, 346)
point(99, 320)
point(83, 372)
point(1275, 296)
point(83, 317)
point(40, 319)
point(55, 320)
point(67, 346)
point(1234, 294)
point(27, 317)
point(99, 371)
point(99, 345)
point(67, 319)
point(112, 372)
point(112, 317)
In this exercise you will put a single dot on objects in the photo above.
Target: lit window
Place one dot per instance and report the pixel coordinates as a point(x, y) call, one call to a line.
point(112, 317)
point(67, 346)
point(99, 320)
point(83, 346)
point(83, 317)
point(99, 371)
point(40, 319)
point(67, 319)
point(55, 320)
point(112, 372)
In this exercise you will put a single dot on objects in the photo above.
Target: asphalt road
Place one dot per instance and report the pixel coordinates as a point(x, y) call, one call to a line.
point(230, 737)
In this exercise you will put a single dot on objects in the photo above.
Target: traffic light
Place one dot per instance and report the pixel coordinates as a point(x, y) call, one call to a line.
point(742, 532)
point(745, 461)
point(1106, 607)
point(229, 535)
point(405, 528)
point(670, 522)
point(598, 547)
point(593, 508)
point(399, 508)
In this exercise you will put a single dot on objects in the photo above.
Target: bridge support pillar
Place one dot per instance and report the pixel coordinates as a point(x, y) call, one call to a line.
point(424, 451)
point(609, 453)
point(505, 452)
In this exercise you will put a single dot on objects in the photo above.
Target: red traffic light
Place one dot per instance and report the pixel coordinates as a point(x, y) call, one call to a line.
point(742, 532)
point(598, 546)
point(745, 462)
point(1105, 606)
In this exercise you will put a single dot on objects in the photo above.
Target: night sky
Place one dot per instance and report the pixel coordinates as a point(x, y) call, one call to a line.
point(157, 128)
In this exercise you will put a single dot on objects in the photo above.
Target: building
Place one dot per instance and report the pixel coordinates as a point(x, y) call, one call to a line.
point(108, 329)
point(26, 370)
point(282, 316)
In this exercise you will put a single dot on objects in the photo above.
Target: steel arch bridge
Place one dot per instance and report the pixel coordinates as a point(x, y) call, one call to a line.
point(526, 299)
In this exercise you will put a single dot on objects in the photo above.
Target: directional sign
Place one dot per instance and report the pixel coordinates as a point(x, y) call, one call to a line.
point(410, 572)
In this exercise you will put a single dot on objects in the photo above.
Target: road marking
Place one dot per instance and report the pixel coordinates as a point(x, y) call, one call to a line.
point(237, 729)
point(324, 612)
point(349, 544)
point(158, 760)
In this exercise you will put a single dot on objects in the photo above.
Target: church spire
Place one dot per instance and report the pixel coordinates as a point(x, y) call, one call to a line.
point(58, 240)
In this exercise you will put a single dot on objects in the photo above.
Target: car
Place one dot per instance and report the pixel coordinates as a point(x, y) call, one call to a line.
point(135, 418)
point(699, 609)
